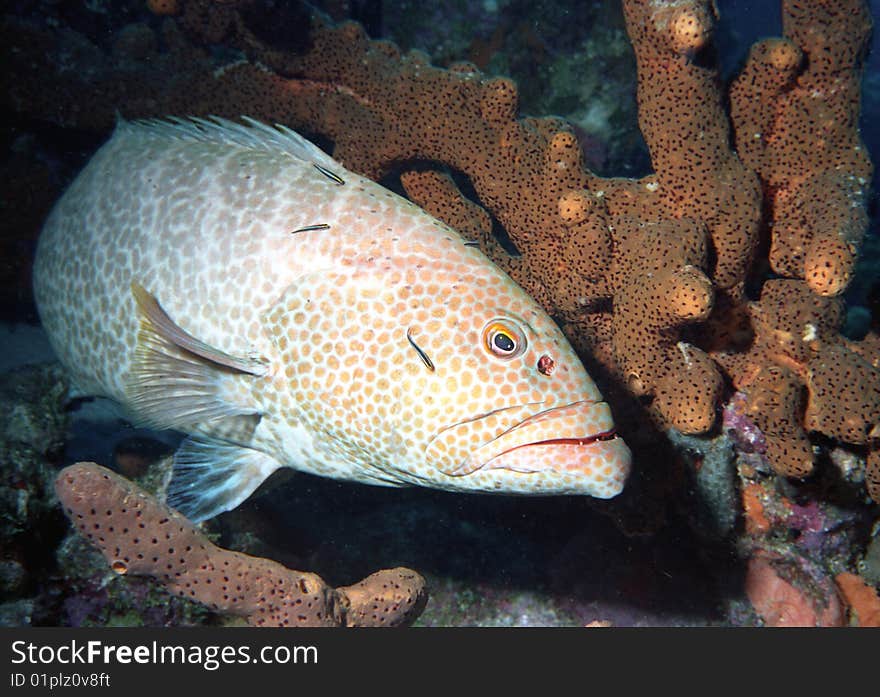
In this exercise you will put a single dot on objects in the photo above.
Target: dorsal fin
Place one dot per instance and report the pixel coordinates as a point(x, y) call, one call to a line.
point(255, 135)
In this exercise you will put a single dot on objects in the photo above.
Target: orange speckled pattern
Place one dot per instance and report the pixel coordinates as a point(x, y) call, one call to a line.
point(395, 353)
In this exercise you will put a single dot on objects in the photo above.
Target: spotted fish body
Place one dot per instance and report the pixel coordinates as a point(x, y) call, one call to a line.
point(236, 283)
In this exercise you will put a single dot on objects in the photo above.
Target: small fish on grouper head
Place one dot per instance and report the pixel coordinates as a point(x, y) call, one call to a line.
point(236, 283)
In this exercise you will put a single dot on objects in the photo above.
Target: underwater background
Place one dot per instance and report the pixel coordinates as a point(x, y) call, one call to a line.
point(710, 532)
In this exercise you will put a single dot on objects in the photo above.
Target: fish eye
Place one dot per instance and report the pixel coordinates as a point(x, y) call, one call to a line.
point(503, 339)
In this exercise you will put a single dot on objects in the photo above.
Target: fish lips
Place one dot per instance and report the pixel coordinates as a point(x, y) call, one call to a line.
point(575, 444)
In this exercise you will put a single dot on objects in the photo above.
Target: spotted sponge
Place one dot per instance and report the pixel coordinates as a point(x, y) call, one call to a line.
point(140, 536)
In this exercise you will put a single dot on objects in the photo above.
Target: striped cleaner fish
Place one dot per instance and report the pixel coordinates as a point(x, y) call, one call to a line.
point(235, 283)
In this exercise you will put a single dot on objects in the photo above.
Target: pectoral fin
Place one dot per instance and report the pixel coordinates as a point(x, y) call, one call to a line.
point(160, 323)
point(211, 476)
point(177, 381)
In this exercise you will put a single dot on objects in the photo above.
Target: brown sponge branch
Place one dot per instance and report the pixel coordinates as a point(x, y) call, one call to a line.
point(139, 535)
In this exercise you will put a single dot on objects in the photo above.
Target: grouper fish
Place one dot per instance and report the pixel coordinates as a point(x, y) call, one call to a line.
point(235, 283)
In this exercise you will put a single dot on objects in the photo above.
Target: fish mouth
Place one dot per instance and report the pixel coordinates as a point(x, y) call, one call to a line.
point(607, 435)
point(576, 423)
point(575, 443)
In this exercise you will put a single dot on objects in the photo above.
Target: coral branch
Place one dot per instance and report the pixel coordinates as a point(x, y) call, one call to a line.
point(795, 110)
point(682, 118)
point(140, 536)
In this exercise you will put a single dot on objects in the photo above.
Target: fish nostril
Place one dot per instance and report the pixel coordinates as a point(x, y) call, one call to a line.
point(546, 365)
